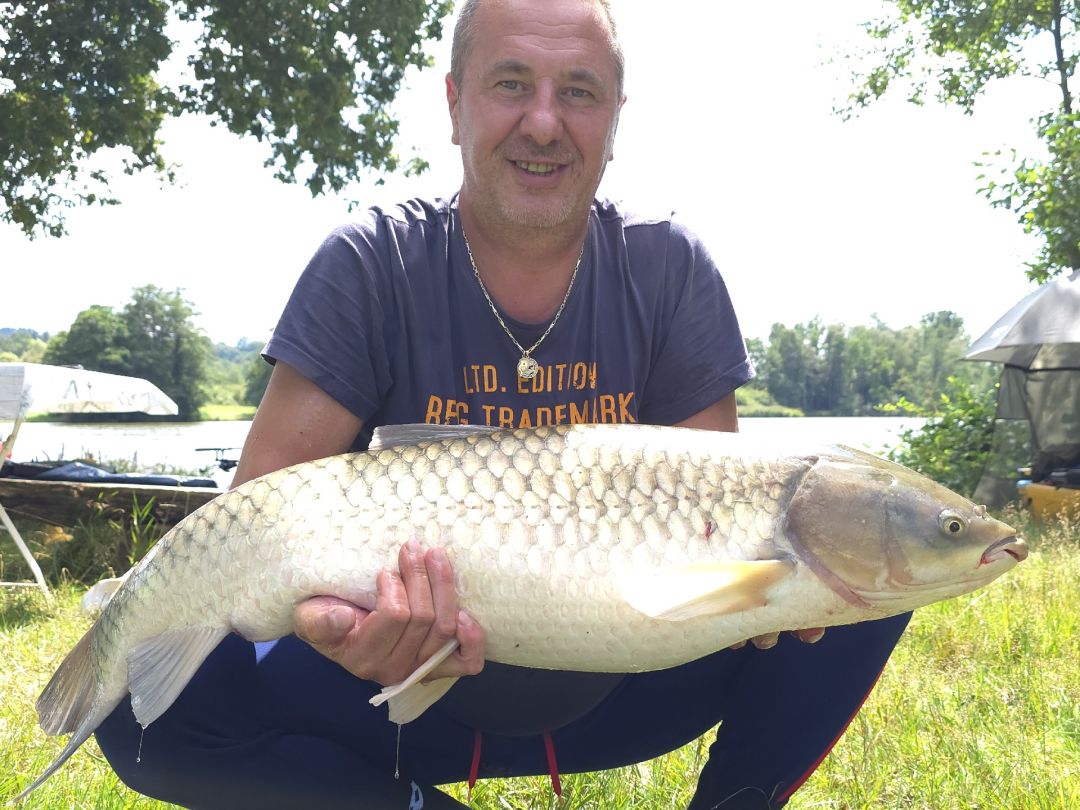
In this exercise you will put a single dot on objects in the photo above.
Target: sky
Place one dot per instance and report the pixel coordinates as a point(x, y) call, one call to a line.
point(729, 122)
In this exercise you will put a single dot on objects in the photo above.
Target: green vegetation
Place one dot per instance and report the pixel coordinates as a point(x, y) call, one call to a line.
point(316, 81)
point(221, 413)
point(754, 401)
point(808, 368)
point(23, 345)
point(953, 50)
point(819, 369)
point(953, 445)
point(979, 708)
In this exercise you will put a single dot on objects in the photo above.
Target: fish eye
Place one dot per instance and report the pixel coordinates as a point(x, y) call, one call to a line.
point(952, 524)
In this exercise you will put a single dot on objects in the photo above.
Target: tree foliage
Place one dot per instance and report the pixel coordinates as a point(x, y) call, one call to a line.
point(97, 340)
point(313, 80)
point(22, 345)
point(952, 50)
point(954, 444)
point(834, 370)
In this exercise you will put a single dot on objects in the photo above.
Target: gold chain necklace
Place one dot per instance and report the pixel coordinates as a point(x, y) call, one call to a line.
point(526, 366)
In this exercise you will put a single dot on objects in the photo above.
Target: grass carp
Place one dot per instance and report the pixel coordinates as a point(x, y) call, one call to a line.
point(614, 548)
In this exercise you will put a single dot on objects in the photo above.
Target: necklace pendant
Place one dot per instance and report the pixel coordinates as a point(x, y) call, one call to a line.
point(527, 367)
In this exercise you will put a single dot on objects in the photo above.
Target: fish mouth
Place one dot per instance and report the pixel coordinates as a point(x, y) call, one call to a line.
point(1014, 547)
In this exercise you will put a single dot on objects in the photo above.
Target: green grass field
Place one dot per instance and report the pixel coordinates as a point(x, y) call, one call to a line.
point(978, 709)
point(219, 412)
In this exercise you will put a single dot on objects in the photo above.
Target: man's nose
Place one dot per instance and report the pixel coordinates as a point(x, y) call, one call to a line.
point(542, 120)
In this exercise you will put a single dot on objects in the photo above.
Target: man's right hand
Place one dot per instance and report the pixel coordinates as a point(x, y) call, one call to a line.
point(416, 613)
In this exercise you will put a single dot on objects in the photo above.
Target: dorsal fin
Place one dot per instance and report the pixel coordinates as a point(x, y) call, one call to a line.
point(388, 436)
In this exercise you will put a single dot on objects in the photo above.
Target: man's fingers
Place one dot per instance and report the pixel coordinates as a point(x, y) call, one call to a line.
point(372, 640)
point(810, 635)
point(765, 641)
point(415, 614)
point(444, 599)
point(421, 604)
point(326, 622)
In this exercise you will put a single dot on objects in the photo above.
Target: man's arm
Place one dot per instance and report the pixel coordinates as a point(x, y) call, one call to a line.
point(416, 609)
point(722, 415)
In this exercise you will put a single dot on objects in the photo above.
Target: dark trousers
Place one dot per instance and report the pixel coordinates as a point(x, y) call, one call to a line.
point(289, 729)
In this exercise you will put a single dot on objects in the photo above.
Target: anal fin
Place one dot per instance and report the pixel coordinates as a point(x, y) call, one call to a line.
point(159, 669)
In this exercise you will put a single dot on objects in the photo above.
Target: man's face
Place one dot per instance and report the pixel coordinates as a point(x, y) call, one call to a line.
point(536, 112)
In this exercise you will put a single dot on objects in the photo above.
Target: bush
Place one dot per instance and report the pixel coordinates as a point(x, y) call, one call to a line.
point(953, 445)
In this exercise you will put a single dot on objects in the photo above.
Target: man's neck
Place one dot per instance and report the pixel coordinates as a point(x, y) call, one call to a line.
point(525, 270)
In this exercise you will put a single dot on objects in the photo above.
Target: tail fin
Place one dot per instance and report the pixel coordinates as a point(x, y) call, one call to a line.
point(77, 739)
point(67, 699)
point(70, 703)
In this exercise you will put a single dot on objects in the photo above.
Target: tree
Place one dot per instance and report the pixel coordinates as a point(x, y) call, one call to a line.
point(256, 378)
point(96, 340)
point(165, 347)
point(831, 369)
point(314, 80)
point(954, 49)
point(25, 345)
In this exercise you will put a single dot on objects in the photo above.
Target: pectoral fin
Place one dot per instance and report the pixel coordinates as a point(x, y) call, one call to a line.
point(160, 668)
point(703, 589)
point(411, 698)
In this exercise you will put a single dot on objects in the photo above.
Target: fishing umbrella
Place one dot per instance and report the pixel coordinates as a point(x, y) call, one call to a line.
point(27, 387)
point(1038, 341)
point(1041, 332)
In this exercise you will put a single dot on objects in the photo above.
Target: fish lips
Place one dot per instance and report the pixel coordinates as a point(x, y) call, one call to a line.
point(1009, 547)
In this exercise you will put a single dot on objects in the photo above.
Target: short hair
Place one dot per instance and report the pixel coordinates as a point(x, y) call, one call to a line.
point(465, 28)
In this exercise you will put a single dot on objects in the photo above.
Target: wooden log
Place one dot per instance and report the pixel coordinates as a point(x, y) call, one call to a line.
point(64, 503)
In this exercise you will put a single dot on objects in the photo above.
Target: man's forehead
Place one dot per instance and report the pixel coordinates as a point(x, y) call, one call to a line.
point(515, 35)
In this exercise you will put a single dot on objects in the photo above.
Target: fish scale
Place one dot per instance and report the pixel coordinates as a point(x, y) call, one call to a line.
point(615, 548)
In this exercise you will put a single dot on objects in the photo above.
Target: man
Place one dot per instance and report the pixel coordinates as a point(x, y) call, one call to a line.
point(520, 301)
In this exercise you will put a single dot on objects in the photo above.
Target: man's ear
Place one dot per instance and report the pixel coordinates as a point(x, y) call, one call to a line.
point(452, 103)
point(615, 129)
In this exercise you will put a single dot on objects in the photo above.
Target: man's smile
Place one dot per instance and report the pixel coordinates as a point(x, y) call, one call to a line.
point(537, 168)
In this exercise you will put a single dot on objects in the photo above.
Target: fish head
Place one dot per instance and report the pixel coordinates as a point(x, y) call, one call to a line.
point(885, 537)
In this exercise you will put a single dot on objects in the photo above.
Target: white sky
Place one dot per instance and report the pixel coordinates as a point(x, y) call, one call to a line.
point(729, 122)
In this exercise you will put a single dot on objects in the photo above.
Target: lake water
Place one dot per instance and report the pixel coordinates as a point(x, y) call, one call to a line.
point(174, 445)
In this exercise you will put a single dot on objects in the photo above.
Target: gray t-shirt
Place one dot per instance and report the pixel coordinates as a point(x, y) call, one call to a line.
point(389, 320)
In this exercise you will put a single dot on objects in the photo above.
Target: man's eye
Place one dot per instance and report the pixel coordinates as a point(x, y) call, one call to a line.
point(579, 92)
point(510, 84)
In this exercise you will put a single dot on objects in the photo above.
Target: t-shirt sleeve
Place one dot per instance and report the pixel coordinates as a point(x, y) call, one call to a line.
point(701, 356)
point(332, 328)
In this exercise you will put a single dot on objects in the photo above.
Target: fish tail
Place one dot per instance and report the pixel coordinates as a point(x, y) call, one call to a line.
point(71, 702)
point(76, 740)
point(69, 696)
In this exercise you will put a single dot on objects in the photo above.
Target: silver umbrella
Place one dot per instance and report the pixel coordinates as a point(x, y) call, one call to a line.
point(1040, 332)
point(1038, 409)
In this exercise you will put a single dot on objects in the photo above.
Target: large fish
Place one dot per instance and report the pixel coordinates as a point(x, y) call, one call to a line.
point(614, 548)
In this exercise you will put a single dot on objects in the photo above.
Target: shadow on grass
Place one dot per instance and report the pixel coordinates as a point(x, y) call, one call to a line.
point(20, 606)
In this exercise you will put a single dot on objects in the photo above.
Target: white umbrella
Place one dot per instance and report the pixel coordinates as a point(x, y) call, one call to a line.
point(1040, 332)
point(28, 387)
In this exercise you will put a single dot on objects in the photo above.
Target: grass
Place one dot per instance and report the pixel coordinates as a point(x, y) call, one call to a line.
point(977, 709)
point(225, 413)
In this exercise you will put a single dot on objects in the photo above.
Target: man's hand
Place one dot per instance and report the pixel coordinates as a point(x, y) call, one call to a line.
point(416, 612)
point(809, 635)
